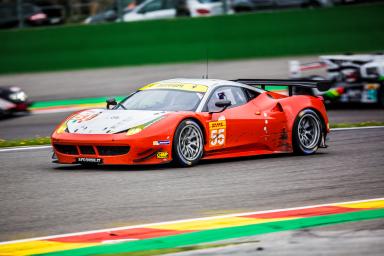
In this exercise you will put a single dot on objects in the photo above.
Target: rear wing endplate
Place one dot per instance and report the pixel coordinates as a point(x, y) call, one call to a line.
point(320, 85)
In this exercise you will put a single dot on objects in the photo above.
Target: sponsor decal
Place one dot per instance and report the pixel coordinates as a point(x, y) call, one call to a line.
point(84, 116)
point(89, 160)
point(372, 86)
point(161, 142)
point(217, 131)
point(217, 125)
point(162, 155)
point(176, 86)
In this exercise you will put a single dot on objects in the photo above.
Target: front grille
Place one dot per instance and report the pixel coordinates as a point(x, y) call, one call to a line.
point(87, 150)
point(66, 149)
point(112, 150)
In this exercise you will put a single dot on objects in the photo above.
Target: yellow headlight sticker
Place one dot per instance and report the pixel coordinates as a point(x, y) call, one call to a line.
point(62, 128)
point(134, 130)
point(139, 128)
point(176, 86)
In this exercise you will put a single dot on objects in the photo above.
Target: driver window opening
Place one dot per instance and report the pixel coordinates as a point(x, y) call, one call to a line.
point(234, 94)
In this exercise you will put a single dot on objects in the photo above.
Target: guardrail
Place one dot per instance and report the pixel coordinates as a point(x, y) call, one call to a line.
point(268, 34)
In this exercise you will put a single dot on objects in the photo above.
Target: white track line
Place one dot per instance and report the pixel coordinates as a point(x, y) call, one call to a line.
point(44, 147)
point(181, 221)
point(24, 148)
point(356, 128)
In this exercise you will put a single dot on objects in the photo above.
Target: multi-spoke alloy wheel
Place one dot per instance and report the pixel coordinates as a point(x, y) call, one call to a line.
point(188, 143)
point(307, 132)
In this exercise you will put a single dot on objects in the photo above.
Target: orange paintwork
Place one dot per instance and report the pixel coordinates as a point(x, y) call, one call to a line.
point(261, 126)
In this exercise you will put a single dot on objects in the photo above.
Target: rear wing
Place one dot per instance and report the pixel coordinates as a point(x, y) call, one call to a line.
point(320, 85)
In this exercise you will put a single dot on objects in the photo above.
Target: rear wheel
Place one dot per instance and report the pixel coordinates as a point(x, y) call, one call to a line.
point(188, 143)
point(380, 96)
point(307, 132)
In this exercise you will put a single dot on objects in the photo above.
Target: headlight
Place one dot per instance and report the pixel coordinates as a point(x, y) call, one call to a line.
point(139, 128)
point(18, 96)
point(63, 128)
point(134, 130)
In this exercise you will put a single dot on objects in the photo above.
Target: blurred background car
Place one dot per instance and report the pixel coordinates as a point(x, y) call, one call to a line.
point(32, 15)
point(252, 5)
point(208, 7)
point(110, 12)
point(12, 100)
point(55, 12)
point(165, 9)
point(159, 9)
point(356, 78)
point(151, 9)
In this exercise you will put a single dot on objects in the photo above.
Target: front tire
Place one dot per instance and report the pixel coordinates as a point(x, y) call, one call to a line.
point(307, 132)
point(188, 143)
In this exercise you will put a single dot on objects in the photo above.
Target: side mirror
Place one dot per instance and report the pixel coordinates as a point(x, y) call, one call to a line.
point(111, 103)
point(223, 104)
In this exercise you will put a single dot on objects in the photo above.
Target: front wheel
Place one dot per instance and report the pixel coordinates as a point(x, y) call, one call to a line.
point(188, 143)
point(307, 132)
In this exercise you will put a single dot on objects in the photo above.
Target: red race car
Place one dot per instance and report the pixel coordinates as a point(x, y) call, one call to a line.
point(186, 120)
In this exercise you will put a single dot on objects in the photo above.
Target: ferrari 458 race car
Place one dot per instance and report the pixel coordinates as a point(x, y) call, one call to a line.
point(186, 120)
point(13, 99)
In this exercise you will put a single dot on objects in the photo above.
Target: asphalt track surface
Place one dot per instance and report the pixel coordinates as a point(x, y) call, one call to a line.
point(40, 198)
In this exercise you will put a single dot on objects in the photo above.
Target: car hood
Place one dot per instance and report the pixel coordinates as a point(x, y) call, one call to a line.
point(102, 121)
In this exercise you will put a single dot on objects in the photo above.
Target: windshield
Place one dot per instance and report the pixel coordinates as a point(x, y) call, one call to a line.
point(162, 100)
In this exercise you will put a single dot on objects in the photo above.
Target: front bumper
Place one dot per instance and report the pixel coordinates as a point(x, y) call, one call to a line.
point(111, 149)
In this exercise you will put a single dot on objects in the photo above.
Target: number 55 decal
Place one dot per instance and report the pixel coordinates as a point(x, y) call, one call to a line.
point(217, 137)
point(217, 132)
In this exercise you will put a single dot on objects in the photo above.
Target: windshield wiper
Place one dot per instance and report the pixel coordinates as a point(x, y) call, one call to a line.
point(121, 105)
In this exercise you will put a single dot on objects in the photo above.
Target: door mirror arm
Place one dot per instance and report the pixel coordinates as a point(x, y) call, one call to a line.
point(223, 104)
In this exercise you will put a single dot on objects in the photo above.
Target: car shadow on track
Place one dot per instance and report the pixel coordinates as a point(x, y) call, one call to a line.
point(172, 166)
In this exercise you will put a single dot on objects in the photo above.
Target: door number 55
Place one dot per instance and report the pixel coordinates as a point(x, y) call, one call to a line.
point(217, 137)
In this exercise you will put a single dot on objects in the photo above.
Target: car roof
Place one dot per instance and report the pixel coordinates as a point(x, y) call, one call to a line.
point(210, 83)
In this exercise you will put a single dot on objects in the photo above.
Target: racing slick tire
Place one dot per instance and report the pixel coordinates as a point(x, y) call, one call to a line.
point(188, 143)
point(307, 132)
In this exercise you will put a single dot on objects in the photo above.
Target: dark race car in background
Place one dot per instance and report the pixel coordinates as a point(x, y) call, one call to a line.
point(356, 78)
point(255, 5)
point(13, 100)
point(33, 15)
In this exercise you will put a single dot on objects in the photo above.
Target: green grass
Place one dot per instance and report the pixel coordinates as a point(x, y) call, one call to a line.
point(178, 249)
point(25, 142)
point(263, 34)
point(220, 234)
point(47, 140)
point(362, 124)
